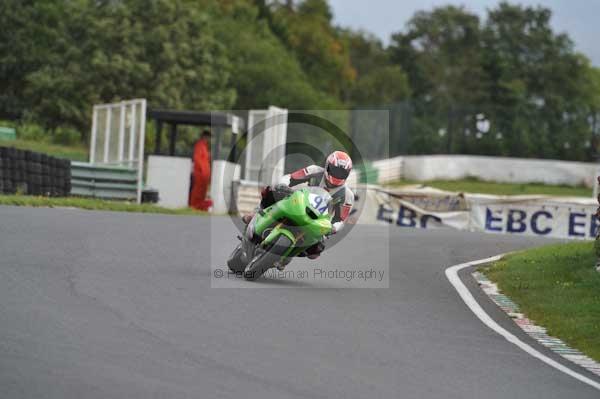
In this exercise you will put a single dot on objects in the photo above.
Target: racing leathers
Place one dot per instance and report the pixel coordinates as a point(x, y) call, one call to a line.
point(342, 196)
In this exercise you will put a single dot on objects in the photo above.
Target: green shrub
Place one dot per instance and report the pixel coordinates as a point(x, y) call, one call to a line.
point(6, 123)
point(66, 136)
point(32, 132)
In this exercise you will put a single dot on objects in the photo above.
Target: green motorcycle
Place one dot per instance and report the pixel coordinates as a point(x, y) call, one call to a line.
point(286, 229)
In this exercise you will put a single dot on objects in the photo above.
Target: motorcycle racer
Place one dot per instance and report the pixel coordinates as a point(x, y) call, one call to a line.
point(331, 177)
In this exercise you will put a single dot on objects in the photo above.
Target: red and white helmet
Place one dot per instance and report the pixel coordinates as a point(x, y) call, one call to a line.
point(337, 168)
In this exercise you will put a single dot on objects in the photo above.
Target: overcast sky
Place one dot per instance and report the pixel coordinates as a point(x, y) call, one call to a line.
point(579, 18)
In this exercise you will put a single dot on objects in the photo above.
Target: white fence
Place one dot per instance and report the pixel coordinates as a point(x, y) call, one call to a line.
point(265, 152)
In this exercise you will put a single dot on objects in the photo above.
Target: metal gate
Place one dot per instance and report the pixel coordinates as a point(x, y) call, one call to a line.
point(265, 149)
point(118, 135)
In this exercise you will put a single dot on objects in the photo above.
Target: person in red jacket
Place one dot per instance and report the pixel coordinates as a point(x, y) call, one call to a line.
point(201, 173)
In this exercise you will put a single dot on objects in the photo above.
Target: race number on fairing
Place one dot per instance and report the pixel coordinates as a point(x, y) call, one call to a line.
point(318, 202)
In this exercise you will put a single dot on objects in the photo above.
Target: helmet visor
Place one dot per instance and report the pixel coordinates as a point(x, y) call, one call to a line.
point(338, 172)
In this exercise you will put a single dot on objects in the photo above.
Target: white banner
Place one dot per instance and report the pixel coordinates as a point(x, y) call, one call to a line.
point(422, 212)
point(542, 216)
point(558, 220)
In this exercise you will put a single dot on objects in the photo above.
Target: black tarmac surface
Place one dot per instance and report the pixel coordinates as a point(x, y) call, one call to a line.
point(114, 305)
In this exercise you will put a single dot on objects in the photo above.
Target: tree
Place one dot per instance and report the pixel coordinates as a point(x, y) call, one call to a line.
point(594, 79)
point(306, 29)
point(441, 53)
point(29, 31)
point(378, 81)
point(265, 72)
point(538, 86)
point(384, 85)
point(85, 52)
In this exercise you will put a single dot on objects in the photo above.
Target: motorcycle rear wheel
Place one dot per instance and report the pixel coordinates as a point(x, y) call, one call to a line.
point(267, 259)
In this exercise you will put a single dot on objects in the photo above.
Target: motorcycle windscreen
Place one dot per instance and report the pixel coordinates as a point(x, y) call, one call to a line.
point(319, 200)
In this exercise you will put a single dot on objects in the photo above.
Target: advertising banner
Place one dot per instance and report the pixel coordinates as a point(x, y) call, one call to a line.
point(552, 219)
point(411, 210)
point(543, 216)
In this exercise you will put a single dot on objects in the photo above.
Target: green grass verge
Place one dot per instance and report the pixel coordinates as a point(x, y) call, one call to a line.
point(92, 204)
point(472, 185)
point(59, 151)
point(558, 287)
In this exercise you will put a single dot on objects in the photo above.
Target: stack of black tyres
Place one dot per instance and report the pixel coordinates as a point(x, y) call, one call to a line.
point(33, 173)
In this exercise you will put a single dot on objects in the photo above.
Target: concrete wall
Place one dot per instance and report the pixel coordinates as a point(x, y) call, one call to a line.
point(499, 169)
point(171, 177)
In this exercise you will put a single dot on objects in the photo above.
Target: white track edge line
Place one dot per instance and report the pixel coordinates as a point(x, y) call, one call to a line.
point(467, 297)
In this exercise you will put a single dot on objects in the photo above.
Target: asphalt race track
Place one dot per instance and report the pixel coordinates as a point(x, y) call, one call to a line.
point(114, 305)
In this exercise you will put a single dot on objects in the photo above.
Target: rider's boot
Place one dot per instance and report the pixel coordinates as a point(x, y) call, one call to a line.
point(282, 264)
point(314, 251)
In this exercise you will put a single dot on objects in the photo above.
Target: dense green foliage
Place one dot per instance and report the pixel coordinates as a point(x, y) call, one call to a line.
point(505, 85)
point(60, 57)
point(558, 288)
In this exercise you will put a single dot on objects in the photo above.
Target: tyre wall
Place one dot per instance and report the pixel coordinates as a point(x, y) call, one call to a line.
point(33, 173)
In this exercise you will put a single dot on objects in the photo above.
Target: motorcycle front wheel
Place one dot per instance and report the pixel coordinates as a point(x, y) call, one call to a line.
point(265, 260)
point(235, 261)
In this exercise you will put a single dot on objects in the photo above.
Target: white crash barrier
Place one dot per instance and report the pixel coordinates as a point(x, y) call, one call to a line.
point(488, 168)
point(389, 170)
point(499, 169)
point(543, 216)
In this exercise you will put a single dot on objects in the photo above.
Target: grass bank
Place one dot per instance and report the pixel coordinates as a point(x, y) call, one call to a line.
point(483, 187)
point(558, 287)
point(92, 204)
point(74, 153)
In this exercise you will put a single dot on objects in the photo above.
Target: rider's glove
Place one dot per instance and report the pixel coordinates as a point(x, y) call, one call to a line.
point(265, 191)
point(335, 227)
point(332, 232)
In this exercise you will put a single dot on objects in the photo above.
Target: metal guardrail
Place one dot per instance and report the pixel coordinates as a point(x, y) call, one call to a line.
point(100, 181)
point(7, 133)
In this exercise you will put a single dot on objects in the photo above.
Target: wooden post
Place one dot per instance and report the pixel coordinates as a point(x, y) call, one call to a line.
point(597, 242)
point(157, 142)
point(173, 138)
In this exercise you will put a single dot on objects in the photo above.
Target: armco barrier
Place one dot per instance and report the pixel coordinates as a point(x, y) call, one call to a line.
point(89, 180)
